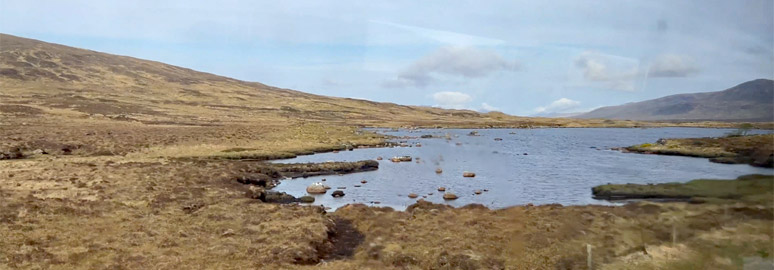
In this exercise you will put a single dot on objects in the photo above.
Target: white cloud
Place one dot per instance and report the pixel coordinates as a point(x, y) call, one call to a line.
point(444, 36)
point(610, 71)
point(558, 106)
point(488, 108)
point(452, 100)
point(672, 65)
point(467, 62)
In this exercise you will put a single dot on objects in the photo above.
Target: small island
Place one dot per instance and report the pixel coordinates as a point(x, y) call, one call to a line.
point(756, 150)
point(755, 188)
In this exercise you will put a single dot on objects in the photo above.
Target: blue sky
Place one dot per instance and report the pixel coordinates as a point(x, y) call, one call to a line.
point(519, 57)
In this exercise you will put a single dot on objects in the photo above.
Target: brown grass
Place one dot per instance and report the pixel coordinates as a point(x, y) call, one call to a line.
point(756, 150)
point(142, 160)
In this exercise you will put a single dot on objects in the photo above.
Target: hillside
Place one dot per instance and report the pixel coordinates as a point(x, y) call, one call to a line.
point(40, 77)
point(749, 101)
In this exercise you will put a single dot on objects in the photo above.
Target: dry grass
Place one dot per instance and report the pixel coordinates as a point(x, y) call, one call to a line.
point(143, 159)
point(749, 188)
point(756, 150)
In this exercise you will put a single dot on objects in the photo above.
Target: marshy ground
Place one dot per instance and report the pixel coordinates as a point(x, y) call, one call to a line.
point(112, 162)
point(131, 196)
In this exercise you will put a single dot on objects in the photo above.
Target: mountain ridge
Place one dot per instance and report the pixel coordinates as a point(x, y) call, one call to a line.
point(749, 101)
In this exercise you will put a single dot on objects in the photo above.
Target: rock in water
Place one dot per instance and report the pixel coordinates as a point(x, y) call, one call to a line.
point(306, 199)
point(477, 192)
point(337, 194)
point(316, 188)
point(401, 159)
point(442, 189)
point(449, 196)
point(468, 174)
point(413, 195)
point(363, 181)
point(438, 170)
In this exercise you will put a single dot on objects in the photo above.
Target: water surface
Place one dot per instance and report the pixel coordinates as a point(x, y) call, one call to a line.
point(538, 166)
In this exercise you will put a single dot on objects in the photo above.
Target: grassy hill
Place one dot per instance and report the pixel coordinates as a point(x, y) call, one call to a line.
point(40, 77)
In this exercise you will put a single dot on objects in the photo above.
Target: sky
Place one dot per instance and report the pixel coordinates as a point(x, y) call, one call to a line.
point(518, 57)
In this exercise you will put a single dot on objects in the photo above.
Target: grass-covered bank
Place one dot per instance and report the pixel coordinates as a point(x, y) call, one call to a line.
point(756, 150)
point(754, 188)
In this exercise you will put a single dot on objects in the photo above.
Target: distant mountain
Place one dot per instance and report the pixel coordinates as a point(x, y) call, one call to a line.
point(751, 101)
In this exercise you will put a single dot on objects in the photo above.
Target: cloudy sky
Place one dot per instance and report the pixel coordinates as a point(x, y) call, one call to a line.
point(519, 57)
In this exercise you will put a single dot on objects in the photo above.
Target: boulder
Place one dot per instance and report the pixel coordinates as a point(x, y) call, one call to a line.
point(271, 196)
point(439, 170)
point(413, 195)
point(337, 194)
point(449, 196)
point(401, 159)
point(441, 189)
point(316, 188)
point(306, 199)
point(468, 174)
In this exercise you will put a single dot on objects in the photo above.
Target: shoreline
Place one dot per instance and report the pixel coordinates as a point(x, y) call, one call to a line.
point(169, 203)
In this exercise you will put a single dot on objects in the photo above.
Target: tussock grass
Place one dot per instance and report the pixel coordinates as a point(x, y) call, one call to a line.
point(749, 188)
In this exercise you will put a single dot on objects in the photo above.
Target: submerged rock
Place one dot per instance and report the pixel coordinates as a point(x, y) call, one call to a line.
point(498, 139)
point(316, 188)
point(449, 196)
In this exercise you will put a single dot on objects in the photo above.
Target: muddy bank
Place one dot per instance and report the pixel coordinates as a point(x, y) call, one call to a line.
point(263, 176)
point(755, 150)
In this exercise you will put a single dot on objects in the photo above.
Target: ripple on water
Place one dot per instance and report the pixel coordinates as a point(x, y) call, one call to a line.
point(560, 167)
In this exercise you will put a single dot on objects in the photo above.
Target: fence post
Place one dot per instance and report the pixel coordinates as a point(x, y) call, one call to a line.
point(588, 256)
